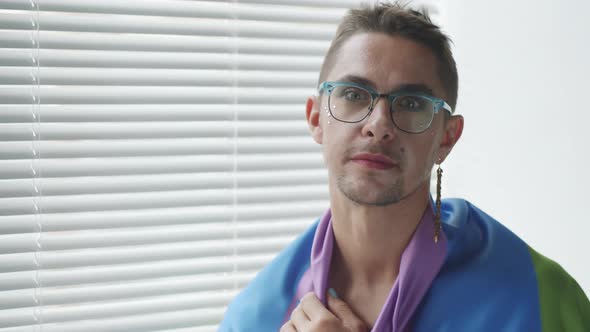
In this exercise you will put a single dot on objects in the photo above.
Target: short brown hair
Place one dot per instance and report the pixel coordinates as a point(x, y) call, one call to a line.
point(395, 19)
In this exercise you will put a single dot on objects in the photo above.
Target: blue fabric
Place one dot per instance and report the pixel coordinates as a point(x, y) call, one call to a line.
point(261, 306)
point(487, 283)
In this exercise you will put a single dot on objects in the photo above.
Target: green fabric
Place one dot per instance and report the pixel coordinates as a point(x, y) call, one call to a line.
point(563, 304)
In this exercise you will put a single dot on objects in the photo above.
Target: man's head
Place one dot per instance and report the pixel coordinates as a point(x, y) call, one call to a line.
point(388, 49)
point(394, 19)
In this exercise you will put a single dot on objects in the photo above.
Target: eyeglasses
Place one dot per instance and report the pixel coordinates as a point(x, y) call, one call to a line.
point(411, 112)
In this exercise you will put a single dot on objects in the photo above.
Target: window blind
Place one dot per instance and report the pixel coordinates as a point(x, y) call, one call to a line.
point(154, 156)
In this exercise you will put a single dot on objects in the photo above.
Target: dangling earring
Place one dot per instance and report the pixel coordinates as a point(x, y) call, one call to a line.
point(437, 224)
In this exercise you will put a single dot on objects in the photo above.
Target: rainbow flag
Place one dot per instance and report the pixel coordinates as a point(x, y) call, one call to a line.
point(490, 280)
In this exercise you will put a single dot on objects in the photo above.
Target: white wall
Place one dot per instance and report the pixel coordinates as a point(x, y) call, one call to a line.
point(524, 69)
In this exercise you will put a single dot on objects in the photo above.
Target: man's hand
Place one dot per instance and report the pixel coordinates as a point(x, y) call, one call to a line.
point(311, 316)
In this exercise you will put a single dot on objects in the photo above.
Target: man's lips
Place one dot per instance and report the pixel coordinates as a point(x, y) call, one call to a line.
point(374, 160)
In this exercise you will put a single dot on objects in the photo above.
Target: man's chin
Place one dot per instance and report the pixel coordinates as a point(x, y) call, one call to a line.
point(373, 201)
point(371, 198)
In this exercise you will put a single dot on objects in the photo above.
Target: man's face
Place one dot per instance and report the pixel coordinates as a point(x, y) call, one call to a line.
point(373, 162)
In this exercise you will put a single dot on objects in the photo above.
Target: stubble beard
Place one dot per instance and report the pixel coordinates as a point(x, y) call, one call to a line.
point(390, 195)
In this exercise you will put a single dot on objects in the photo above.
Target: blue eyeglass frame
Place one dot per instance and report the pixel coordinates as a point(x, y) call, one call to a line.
point(438, 103)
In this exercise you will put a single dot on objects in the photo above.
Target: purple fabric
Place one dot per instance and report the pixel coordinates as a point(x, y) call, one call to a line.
point(321, 255)
point(419, 265)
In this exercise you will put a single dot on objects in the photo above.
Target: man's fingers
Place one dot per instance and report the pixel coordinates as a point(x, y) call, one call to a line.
point(337, 306)
point(311, 315)
point(345, 314)
point(313, 308)
point(300, 319)
point(288, 327)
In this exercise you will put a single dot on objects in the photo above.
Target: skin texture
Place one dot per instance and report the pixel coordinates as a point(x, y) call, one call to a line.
point(375, 211)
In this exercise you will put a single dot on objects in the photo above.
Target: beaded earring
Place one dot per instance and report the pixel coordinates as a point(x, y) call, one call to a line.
point(437, 224)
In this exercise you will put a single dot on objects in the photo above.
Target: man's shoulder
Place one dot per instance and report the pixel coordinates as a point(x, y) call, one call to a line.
point(471, 232)
point(489, 265)
point(482, 249)
point(478, 239)
point(261, 305)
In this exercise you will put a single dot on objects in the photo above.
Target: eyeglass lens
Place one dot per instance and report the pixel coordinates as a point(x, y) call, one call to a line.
point(409, 113)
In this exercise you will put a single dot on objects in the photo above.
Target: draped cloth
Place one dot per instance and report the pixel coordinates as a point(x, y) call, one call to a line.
point(419, 265)
point(479, 277)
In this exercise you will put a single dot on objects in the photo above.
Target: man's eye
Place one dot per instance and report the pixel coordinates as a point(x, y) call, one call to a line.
point(354, 95)
point(411, 104)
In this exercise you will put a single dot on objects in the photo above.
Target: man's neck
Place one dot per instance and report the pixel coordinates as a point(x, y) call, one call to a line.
point(369, 240)
point(368, 244)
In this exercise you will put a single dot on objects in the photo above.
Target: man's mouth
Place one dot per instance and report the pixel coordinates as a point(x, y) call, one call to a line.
point(374, 160)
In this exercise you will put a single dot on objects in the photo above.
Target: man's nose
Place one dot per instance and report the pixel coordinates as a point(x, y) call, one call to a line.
point(379, 124)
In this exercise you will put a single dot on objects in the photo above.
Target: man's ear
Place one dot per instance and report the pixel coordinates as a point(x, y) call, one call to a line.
point(312, 113)
point(453, 128)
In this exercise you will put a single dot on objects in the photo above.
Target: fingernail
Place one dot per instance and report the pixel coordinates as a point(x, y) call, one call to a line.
point(333, 293)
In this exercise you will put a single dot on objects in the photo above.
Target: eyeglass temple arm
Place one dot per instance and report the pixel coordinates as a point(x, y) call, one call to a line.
point(447, 107)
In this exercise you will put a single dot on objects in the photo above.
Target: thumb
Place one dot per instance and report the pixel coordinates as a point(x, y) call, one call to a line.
point(343, 311)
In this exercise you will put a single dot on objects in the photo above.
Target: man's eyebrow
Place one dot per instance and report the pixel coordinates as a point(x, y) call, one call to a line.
point(411, 88)
point(358, 80)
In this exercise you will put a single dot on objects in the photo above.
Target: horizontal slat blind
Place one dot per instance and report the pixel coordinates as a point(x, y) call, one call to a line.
point(154, 156)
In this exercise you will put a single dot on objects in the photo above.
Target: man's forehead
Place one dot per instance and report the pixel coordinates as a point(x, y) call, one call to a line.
point(402, 87)
point(385, 63)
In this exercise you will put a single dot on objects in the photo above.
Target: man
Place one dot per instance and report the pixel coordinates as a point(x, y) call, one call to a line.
point(385, 257)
